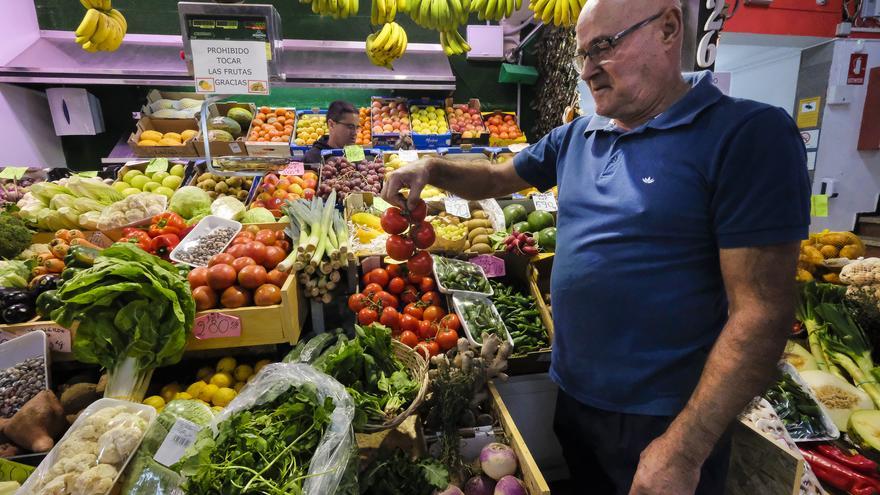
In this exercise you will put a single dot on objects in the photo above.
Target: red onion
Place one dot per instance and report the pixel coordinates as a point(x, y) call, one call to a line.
point(510, 485)
point(497, 460)
point(479, 485)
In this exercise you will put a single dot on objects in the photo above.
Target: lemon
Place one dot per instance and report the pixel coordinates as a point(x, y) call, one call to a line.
point(208, 391)
point(243, 372)
point(222, 379)
point(223, 396)
point(226, 364)
point(169, 391)
point(183, 396)
point(196, 388)
point(155, 401)
point(216, 409)
point(260, 364)
point(205, 373)
point(238, 386)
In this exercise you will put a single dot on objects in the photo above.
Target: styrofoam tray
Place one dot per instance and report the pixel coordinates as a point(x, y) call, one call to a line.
point(443, 289)
point(458, 301)
point(203, 228)
point(148, 413)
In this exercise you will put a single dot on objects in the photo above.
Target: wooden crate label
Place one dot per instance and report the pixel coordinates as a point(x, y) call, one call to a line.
point(217, 326)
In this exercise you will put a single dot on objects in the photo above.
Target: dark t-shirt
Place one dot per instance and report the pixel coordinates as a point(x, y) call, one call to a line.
point(313, 155)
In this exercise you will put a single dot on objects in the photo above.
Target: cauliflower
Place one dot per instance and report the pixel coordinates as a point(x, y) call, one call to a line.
point(61, 485)
point(116, 444)
point(100, 419)
point(127, 419)
point(73, 464)
point(86, 434)
point(96, 481)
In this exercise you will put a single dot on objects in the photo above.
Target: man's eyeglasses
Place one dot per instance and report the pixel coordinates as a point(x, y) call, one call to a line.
point(603, 48)
point(351, 127)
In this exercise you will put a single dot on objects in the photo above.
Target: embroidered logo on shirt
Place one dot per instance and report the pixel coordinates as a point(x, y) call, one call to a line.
point(648, 180)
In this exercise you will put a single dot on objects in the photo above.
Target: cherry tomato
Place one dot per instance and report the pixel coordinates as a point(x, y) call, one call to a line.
point(451, 322)
point(220, 277)
point(235, 297)
point(252, 276)
point(205, 298)
point(239, 263)
point(409, 295)
point(357, 302)
point(446, 339)
point(414, 310)
point(408, 338)
point(427, 329)
point(396, 285)
point(423, 235)
point(256, 250)
point(420, 264)
point(274, 255)
point(393, 270)
point(372, 289)
point(432, 298)
point(391, 319)
point(198, 277)
point(221, 259)
point(427, 284)
point(367, 316)
point(414, 279)
point(237, 251)
point(400, 248)
point(796, 328)
point(378, 276)
point(393, 221)
point(409, 323)
point(433, 313)
point(418, 213)
point(277, 277)
point(284, 245)
point(267, 295)
point(386, 300)
point(266, 236)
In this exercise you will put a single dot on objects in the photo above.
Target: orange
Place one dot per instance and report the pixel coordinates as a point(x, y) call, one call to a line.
point(280, 112)
point(278, 126)
point(281, 120)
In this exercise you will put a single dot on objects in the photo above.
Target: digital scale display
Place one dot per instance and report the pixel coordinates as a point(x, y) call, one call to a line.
point(216, 27)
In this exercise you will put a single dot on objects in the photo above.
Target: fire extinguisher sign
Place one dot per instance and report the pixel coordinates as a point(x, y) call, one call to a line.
point(858, 67)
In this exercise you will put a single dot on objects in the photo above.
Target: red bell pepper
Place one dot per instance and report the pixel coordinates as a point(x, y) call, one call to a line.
point(167, 223)
point(137, 237)
point(162, 245)
point(839, 476)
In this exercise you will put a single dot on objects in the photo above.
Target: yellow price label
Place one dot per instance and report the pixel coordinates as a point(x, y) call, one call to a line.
point(13, 173)
point(355, 153)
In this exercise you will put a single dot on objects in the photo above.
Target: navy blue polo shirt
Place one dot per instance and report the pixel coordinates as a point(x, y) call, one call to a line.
point(638, 296)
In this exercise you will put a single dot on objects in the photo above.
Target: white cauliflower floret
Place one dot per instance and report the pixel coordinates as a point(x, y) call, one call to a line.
point(116, 444)
point(78, 445)
point(73, 464)
point(87, 433)
point(102, 418)
point(59, 486)
point(127, 419)
point(96, 481)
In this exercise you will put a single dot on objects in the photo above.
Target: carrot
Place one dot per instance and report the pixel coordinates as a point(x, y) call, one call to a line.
point(54, 265)
point(42, 257)
point(63, 234)
point(77, 234)
point(58, 248)
point(83, 242)
point(39, 270)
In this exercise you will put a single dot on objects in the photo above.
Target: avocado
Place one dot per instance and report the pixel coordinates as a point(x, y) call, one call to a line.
point(540, 220)
point(240, 115)
point(514, 213)
point(547, 239)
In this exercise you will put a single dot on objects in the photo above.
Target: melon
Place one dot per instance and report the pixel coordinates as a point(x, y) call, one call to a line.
point(799, 357)
point(148, 142)
point(169, 142)
point(172, 135)
point(225, 124)
point(188, 134)
point(184, 103)
point(240, 115)
point(151, 136)
point(220, 135)
point(838, 396)
point(864, 429)
point(165, 113)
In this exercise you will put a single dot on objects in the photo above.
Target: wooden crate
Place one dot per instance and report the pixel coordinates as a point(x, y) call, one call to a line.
point(539, 284)
point(531, 474)
point(760, 465)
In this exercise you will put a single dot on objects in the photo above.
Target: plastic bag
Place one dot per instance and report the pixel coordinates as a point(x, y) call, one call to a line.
point(132, 210)
point(332, 456)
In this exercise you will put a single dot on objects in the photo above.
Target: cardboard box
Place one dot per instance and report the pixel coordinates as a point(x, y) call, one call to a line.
point(155, 95)
point(430, 141)
point(186, 149)
point(482, 136)
point(224, 148)
point(497, 141)
point(259, 148)
point(387, 140)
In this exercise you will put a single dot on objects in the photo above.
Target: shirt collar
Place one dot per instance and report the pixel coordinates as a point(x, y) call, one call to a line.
point(702, 95)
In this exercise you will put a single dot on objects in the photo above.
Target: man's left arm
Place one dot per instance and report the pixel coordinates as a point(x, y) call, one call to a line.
point(760, 284)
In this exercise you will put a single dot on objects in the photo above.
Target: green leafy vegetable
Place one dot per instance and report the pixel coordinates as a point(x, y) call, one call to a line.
point(15, 237)
point(14, 274)
point(394, 473)
point(190, 202)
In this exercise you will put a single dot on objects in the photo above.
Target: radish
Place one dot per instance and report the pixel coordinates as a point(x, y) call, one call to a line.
point(479, 485)
point(450, 490)
point(498, 460)
point(510, 485)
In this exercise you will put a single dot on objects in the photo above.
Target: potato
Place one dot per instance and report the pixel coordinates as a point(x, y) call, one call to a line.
point(829, 251)
point(481, 248)
point(479, 214)
point(477, 232)
point(477, 223)
point(834, 238)
point(480, 239)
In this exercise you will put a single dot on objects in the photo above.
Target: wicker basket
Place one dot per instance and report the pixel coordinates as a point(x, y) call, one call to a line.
point(417, 367)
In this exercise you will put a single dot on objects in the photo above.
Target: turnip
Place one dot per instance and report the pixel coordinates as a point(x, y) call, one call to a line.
point(498, 460)
point(510, 485)
point(450, 490)
point(479, 485)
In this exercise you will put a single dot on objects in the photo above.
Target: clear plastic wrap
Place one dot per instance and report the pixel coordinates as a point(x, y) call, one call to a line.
point(132, 210)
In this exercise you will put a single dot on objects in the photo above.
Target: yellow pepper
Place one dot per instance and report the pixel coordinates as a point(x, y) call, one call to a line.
point(366, 235)
point(365, 219)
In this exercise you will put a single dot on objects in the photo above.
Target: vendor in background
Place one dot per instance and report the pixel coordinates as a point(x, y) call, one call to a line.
point(680, 212)
point(342, 126)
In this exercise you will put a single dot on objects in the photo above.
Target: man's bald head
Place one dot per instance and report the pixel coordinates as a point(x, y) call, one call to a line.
point(641, 65)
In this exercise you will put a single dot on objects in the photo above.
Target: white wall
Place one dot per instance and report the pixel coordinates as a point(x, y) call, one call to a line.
point(761, 73)
point(20, 27)
point(28, 138)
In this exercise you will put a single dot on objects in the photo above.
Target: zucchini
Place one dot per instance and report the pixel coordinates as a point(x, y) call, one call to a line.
point(864, 429)
point(314, 348)
point(293, 355)
point(80, 257)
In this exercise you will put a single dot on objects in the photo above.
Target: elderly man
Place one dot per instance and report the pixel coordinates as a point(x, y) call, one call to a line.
point(680, 211)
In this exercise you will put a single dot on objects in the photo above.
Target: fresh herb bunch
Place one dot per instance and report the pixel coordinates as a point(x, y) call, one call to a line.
point(452, 392)
point(800, 414)
point(864, 308)
point(521, 317)
point(265, 449)
point(15, 237)
point(394, 473)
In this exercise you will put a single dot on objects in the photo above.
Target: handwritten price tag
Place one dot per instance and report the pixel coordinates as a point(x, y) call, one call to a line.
point(354, 153)
point(545, 202)
point(457, 206)
point(492, 265)
point(157, 165)
point(294, 168)
point(408, 155)
point(13, 173)
point(217, 326)
point(57, 338)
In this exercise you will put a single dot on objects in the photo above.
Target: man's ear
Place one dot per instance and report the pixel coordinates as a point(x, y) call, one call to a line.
point(671, 26)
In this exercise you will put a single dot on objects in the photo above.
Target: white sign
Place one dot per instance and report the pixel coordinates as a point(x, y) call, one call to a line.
point(179, 438)
point(457, 206)
point(811, 160)
point(811, 139)
point(408, 155)
point(230, 67)
point(544, 201)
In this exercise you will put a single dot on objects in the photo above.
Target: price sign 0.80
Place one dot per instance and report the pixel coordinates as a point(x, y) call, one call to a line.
point(217, 326)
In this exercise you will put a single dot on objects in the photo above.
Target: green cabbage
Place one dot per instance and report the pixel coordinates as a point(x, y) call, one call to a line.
point(61, 200)
point(227, 207)
point(258, 215)
point(87, 204)
point(190, 201)
point(14, 273)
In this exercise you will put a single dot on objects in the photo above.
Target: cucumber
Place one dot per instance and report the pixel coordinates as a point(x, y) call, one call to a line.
point(294, 354)
point(315, 347)
point(864, 429)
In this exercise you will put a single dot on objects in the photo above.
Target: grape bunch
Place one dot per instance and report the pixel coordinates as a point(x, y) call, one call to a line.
point(345, 177)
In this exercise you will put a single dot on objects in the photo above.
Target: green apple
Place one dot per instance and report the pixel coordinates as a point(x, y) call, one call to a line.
point(158, 176)
point(131, 174)
point(139, 181)
point(165, 191)
point(130, 191)
point(178, 170)
point(120, 186)
point(172, 182)
point(152, 186)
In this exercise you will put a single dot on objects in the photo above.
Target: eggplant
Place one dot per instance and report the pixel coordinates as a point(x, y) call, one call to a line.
point(43, 283)
point(16, 296)
point(18, 313)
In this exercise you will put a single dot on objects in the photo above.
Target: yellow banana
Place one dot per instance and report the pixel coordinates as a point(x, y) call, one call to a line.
point(90, 47)
point(115, 14)
point(425, 12)
point(102, 31)
point(383, 36)
point(490, 9)
point(374, 13)
point(404, 41)
point(383, 11)
point(392, 9)
point(86, 4)
point(89, 24)
point(402, 6)
point(105, 5)
point(391, 44)
point(575, 7)
point(547, 13)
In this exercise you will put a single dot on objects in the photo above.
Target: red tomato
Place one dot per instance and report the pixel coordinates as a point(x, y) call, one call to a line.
point(357, 302)
point(428, 349)
point(267, 295)
point(414, 279)
point(409, 295)
point(396, 285)
point(393, 270)
point(427, 284)
point(387, 300)
point(418, 213)
point(279, 235)
point(220, 277)
point(367, 316)
point(409, 323)
point(409, 338)
point(221, 259)
point(391, 319)
point(400, 248)
point(372, 289)
point(427, 329)
point(252, 276)
point(277, 277)
point(446, 339)
point(393, 221)
point(198, 277)
point(266, 236)
point(246, 234)
point(257, 251)
point(284, 245)
point(421, 264)
point(237, 251)
point(240, 263)
point(205, 298)
point(378, 276)
point(274, 255)
point(432, 298)
point(423, 235)
point(414, 310)
point(235, 297)
point(433, 313)
point(451, 322)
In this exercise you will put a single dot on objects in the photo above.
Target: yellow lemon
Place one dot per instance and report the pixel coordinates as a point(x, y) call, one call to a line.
point(227, 364)
point(260, 364)
point(243, 372)
point(205, 373)
point(238, 386)
point(208, 391)
point(169, 391)
point(155, 401)
point(222, 379)
point(183, 396)
point(196, 388)
point(223, 397)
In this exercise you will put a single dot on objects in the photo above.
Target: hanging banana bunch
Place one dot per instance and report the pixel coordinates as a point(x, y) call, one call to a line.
point(383, 11)
point(495, 10)
point(453, 43)
point(102, 28)
point(338, 9)
point(440, 15)
point(562, 13)
point(387, 45)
